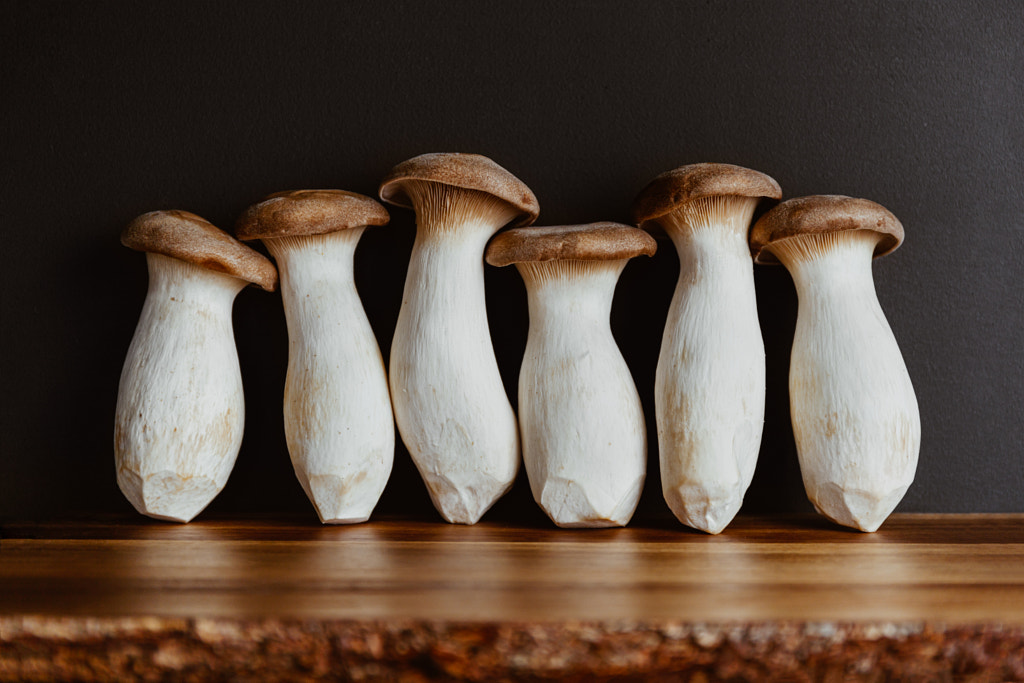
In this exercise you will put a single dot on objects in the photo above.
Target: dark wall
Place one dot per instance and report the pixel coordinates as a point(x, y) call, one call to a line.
point(114, 109)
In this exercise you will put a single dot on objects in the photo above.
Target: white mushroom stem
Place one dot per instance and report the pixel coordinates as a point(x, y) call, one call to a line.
point(450, 404)
point(710, 381)
point(584, 441)
point(180, 408)
point(337, 411)
point(855, 415)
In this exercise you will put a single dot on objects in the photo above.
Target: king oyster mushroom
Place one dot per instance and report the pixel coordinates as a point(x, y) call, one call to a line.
point(584, 440)
point(710, 381)
point(337, 411)
point(180, 409)
point(855, 415)
point(450, 404)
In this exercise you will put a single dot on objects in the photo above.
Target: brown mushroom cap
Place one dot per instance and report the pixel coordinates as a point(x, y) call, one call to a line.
point(819, 214)
point(590, 242)
point(309, 212)
point(686, 183)
point(467, 171)
point(186, 236)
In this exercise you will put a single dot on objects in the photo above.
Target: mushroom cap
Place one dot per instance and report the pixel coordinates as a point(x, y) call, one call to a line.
point(308, 212)
point(686, 183)
point(466, 171)
point(590, 242)
point(186, 236)
point(820, 214)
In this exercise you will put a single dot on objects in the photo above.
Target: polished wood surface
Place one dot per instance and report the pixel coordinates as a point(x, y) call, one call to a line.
point(953, 569)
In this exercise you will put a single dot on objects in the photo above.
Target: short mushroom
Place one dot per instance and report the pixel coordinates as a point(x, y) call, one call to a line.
point(450, 404)
point(582, 425)
point(854, 412)
point(180, 409)
point(710, 381)
point(337, 411)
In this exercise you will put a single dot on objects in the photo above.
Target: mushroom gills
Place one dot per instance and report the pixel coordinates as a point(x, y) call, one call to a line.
point(449, 400)
point(854, 411)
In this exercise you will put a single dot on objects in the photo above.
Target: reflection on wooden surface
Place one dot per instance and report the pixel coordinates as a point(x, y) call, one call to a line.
point(942, 568)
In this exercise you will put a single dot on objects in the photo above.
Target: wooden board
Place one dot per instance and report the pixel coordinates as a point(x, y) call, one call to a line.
point(919, 576)
point(954, 569)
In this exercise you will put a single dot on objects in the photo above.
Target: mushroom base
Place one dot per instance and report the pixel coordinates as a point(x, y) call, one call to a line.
point(449, 401)
point(180, 407)
point(584, 440)
point(337, 410)
point(710, 381)
point(855, 415)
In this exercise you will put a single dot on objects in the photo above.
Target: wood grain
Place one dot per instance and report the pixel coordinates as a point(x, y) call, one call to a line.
point(948, 569)
point(927, 598)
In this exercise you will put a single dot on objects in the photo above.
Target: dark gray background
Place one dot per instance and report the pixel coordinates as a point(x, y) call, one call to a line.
point(114, 109)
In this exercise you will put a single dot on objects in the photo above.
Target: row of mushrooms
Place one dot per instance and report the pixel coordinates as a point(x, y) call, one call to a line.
point(580, 429)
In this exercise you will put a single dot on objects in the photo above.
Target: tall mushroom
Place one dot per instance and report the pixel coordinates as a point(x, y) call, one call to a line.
point(450, 405)
point(584, 440)
point(710, 381)
point(180, 409)
point(337, 411)
point(854, 412)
